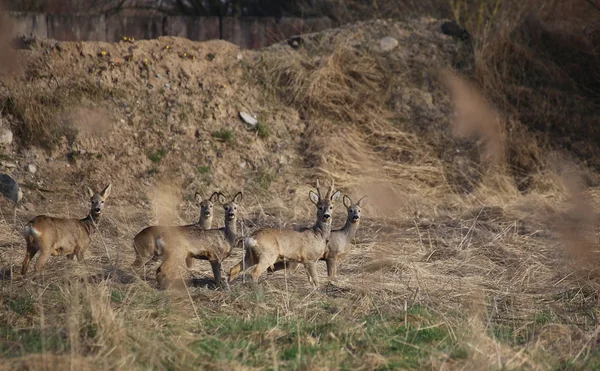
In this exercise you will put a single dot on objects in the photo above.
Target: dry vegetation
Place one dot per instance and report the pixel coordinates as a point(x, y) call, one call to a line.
point(477, 250)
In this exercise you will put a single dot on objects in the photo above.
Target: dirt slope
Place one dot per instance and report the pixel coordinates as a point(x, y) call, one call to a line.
point(446, 227)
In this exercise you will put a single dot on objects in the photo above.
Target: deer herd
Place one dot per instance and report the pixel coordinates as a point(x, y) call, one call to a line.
point(266, 249)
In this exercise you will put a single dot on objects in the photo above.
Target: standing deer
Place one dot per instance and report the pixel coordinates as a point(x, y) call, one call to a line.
point(144, 243)
point(190, 242)
point(338, 244)
point(267, 245)
point(57, 236)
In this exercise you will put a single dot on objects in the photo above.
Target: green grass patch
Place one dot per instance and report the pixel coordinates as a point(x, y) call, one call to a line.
point(157, 155)
point(224, 135)
point(304, 343)
point(261, 129)
point(203, 170)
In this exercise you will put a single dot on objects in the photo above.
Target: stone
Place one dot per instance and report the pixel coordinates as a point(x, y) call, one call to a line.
point(6, 136)
point(10, 189)
point(32, 168)
point(388, 43)
point(248, 119)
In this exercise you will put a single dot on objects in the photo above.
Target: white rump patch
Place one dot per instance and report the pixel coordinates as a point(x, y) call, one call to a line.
point(30, 231)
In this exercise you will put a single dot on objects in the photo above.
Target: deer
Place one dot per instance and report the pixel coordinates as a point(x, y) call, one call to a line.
point(268, 245)
point(338, 244)
point(144, 243)
point(59, 236)
point(191, 242)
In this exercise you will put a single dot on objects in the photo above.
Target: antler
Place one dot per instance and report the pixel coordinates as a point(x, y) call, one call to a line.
point(329, 191)
point(318, 190)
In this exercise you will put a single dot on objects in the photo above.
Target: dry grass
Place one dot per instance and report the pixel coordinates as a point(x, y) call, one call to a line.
point(456, 264)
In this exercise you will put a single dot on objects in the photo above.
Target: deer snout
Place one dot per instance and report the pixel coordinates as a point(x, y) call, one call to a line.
point(207, 213)
point(231, 215)
point(97, 210)
point(326, 216)
point(355, 217)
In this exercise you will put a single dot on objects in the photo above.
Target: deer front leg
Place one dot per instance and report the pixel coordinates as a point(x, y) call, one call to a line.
point(311, 270)
point(216, 268)
point(331, 267)
point(189, 262)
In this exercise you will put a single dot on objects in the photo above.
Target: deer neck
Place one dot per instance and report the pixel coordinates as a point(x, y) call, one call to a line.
point(89, 222)
point(349, 229)
point(205, 222)
point(323, 229)
point(230, 230)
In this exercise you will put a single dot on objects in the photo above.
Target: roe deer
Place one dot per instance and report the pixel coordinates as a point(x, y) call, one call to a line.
point(191, 242)
point(144, 243)
point(338, 244)
point(267, 245)
point(57, 236)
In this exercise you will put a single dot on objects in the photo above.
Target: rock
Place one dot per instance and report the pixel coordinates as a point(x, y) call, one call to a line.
point(6, 136)
point(451, 28)
point(239, 57)
point(10, 189)
point(8, 165)
point(32, 168)
point(388, 43)
point(248, 119)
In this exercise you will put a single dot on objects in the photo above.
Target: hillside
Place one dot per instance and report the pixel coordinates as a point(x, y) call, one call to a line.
point(474, 250)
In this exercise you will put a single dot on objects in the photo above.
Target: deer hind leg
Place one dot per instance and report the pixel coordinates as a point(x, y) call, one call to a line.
point(216, 268)
point(42, 259)
point(189, 262)
point(284, 264)
point(311, 271)
point(71, 256)
point(248, 261)
point(29, 254)
point(264, 262)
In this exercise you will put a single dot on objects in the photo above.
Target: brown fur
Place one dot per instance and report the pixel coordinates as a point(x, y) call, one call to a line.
point(56, 236)
point(191, 242)
point(267, 245)
point(144, 243)
point(338, 244)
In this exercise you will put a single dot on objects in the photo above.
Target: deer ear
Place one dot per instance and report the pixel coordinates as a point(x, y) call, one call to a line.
point(363, 201)
point(214, 197)
point(237, 198)
point(88, 192)
point(347, 201)
point(106, 191)
point(313, 197)
point(221, 198)
point(335, 196)
point(198, 197)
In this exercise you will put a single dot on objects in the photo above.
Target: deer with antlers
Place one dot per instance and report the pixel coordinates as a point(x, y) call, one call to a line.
point(339, 241)
point(144, 243)
point(268, 245)
point(190, 242)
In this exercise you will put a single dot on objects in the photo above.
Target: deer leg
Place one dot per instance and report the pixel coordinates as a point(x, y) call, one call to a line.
point(284, 264)
point(216, 268)
point(248, 261)
point(263, 264)
point(42, 259)
point(79, 254)
point(29, 254)
point(331, 263)
point(71, 256)
point(311, 270)
point(189, 262)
